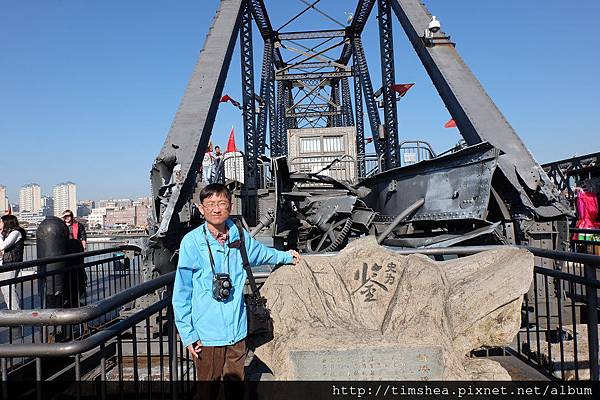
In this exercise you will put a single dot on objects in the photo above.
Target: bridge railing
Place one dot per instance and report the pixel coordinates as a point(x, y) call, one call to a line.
point(342, 168)
point(71, 281)
point(558, 336)
point(30, 250)
point(141, 346)
point(559, 318)
point(112, 353)
point(372, 165)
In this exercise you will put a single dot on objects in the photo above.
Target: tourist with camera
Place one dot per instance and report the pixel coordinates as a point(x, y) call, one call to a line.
point(208, 298)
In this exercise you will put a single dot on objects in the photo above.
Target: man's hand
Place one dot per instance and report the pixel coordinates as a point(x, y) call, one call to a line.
point(295, 255)
point(195, 348)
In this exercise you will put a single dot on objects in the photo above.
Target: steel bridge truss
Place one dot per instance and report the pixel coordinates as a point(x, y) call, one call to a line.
point(304, 82)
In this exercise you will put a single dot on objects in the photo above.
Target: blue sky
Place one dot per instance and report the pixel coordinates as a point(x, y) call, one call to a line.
point(88, 90)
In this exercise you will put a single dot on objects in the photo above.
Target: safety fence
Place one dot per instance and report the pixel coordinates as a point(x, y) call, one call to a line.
point(372, 165)
point(65, 282)
point(415, 151)
point(559, 319)
point(342, 168)
point(559, 333)
point(140, 347)
point(30, 249)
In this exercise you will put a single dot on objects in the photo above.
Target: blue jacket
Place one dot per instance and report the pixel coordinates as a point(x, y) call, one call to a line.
point(198, 315)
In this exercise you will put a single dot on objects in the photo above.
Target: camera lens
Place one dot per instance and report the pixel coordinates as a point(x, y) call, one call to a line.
point(225, 292)
point(226, 284)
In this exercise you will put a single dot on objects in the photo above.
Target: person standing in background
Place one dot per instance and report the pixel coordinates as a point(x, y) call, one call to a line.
point(76, 231)
point(75, 280)
point(218, 153)
point(12, 244)
point(218, 171)
point(207, 164)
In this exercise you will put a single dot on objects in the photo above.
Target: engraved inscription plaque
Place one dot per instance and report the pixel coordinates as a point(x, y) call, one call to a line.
point(382, 363)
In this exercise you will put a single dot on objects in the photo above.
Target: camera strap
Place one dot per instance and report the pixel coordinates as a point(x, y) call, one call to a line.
point(210, 255)
point(245, 261)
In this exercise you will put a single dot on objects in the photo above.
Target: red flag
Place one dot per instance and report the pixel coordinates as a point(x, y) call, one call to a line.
point(231, 143)
point(402, 88)
point(450, 124)
point(226, 99)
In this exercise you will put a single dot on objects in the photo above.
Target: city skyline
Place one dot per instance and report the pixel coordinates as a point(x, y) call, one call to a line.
point(104, 96)
point(16, 198)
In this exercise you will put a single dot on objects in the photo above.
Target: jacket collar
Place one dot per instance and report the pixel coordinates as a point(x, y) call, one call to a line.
point(233, 232)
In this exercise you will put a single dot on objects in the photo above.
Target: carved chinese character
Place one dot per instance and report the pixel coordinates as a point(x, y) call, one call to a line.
point(391, 268)
point(389, 279)
point(374, 269)
point(369, 293)
point(364, 278)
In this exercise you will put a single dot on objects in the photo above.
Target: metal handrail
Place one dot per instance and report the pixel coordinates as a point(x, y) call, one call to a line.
point(584, 230)
point(45, 274)
point(426, 146)
point(80, 346)
point(65, 316)
point(336, 158)
point(100, 338)
point(467, 250)
point(49, 260)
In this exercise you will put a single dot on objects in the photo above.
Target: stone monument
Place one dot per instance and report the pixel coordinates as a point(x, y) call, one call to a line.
point(369, 313)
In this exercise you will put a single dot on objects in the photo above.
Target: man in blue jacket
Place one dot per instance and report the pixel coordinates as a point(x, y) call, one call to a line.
point(213, 326)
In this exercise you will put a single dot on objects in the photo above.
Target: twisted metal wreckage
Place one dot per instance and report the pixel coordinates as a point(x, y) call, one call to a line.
point(489, 190)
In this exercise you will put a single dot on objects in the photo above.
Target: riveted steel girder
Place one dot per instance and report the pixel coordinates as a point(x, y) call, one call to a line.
point(347, 103)
point(324, 34)
point(360, 127)
point(175, 169)
point(314, 75)
point(265, 93)
point(247, 65)
point(362, 69)
point(391, 158)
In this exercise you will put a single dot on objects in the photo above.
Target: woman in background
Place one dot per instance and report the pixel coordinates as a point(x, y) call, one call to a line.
point(12, 244)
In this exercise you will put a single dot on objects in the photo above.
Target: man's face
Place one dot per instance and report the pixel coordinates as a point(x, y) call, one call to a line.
point(216, 209)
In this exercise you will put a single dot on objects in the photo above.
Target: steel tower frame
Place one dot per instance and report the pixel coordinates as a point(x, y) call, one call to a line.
point(304, 91)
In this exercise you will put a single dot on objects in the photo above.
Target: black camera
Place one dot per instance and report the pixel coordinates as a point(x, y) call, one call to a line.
point(221, 287)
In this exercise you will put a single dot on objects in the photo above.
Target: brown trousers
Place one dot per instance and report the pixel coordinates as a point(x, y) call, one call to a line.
point(221, 362)
point(226, 363)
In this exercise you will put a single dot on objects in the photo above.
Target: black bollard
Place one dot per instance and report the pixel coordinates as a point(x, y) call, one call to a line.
point(52, 240)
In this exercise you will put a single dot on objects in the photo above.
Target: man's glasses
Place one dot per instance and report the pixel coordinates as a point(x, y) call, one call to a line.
point(211, 205)
point(67, 216)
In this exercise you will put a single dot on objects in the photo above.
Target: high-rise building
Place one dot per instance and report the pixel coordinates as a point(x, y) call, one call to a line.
point(3, 200)
point(30, 197)
point(65, 198)
point(48, 205)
